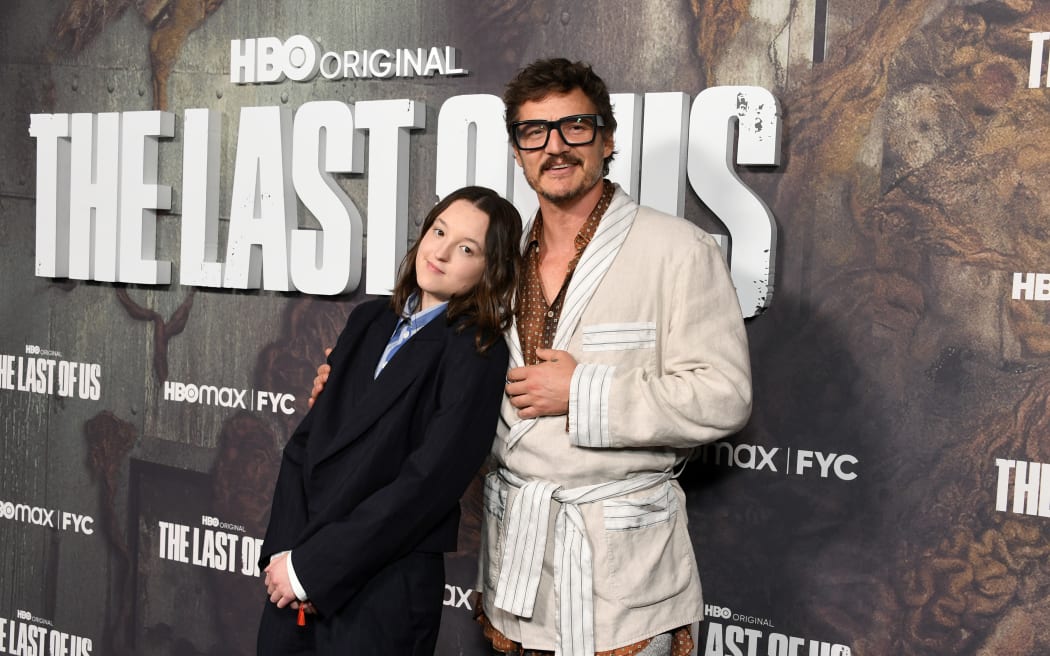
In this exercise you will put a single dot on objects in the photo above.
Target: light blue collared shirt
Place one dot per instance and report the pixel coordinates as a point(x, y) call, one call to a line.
point(405, 328)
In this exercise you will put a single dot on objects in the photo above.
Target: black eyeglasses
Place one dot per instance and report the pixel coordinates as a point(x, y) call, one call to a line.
point(575, 130)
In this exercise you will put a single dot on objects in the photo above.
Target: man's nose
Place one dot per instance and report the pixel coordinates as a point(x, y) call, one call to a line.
point(555, 144)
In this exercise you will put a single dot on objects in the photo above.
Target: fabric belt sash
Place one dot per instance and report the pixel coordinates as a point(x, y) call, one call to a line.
point(527, 520)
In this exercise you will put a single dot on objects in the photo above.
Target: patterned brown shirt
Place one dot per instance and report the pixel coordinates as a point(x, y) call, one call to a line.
point(538, 321)
point(681, 643)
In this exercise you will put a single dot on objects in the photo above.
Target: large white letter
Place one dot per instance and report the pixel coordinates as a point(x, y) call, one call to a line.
point(242, 62)
point(326, 261)
point(51, 132)
point(663, 152)
point(302, 55)
point(270, 59)
point(712, 174)
point(1035, 66)
point(472, 145)
point(94, 196)
point(141, 196)
point(388, 123)
point(200, 198)
point(263, 211)
point(624, 168)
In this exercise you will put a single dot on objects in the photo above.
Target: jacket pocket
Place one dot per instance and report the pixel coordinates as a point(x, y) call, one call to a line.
point(619, 336)
point(648, 560)
point(495, 502)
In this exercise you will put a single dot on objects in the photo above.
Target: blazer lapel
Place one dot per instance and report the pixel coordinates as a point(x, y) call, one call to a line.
point(373, 398)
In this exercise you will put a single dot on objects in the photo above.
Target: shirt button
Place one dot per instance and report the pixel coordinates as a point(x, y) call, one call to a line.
point(550, 313)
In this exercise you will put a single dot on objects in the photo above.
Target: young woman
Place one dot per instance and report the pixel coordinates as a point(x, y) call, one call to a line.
point(367, 497)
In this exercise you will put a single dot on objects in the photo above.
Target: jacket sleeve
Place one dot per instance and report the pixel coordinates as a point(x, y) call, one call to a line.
point(702, 390)
point(288, 510)
point(335, 562)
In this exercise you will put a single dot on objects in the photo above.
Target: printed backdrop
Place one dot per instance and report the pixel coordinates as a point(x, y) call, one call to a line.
point(891, 493)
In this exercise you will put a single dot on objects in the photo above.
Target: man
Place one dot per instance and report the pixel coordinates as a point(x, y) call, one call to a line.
point(628, 350)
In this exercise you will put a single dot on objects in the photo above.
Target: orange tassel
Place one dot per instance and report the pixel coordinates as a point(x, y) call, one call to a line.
point(302, 615)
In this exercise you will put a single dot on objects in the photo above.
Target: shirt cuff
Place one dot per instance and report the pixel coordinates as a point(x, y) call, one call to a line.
point(589, 393)
point(297, 587)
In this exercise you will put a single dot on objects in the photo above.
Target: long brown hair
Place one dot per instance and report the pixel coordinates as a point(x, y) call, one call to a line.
point(489, 305)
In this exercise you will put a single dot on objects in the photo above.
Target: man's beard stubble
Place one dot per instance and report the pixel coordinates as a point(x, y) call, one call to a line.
point(571, 194)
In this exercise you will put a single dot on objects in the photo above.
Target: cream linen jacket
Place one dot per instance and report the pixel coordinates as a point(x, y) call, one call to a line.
point(653, 320)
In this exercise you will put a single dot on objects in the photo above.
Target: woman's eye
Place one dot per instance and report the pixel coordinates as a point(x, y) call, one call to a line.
point(439, 232)
point(467, 250)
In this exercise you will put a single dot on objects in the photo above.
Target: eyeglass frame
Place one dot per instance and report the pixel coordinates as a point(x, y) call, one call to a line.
point(556, 124)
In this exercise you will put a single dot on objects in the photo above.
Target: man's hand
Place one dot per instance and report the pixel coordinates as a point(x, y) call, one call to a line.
point(320, 380)
point(277, 584)
point(542, 390)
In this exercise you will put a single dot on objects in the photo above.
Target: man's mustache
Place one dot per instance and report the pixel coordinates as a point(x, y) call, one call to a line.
point(559, 160)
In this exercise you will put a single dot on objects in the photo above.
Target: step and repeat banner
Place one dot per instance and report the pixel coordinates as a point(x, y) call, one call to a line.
point(194, 194)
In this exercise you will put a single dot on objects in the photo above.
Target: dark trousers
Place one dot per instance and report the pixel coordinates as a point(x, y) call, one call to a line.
point(280, 634)
point(398, 612)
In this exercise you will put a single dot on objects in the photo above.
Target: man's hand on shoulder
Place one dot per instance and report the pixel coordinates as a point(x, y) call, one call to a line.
point(542, 390)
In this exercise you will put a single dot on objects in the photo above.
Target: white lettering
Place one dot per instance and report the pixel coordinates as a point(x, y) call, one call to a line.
point(78, 523)
point(388, 123)
point(712, 173)
point(472, 147)
point(664, 150)
point(326, 261)
point(52, 134)
point(200, 202)
point(1031, 481)
point(250, 548)
point(269, 64)
point(302, 158)
point(93, 196)
point(242, 61)
point(1031, 286)
point(263, 212)
point(301, 58)
point(1035, 65)
point(141, 196)
point(173, 541)
point(457, 597)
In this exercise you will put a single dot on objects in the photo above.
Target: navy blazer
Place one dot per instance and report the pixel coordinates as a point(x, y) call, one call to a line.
point(376, 468)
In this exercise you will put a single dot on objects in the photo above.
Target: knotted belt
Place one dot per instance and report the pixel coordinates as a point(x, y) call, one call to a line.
point(527, 519)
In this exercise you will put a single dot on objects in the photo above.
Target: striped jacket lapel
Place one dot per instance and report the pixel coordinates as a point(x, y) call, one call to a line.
point(595, 262)
point(517, 359)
